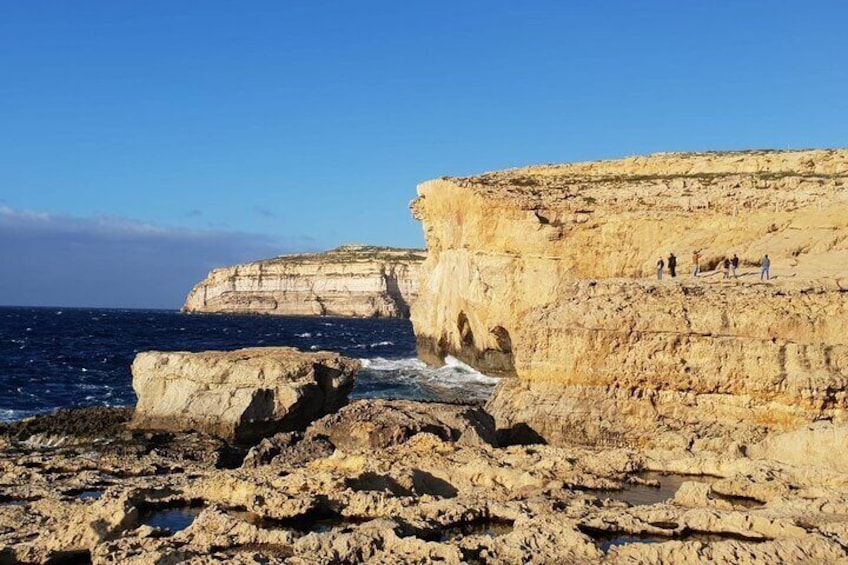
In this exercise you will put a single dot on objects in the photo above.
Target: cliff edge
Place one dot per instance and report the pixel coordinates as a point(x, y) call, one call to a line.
point(351, 280)
point(546, 274)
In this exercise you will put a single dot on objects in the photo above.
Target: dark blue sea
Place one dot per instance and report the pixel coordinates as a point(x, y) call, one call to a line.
point(67, 357)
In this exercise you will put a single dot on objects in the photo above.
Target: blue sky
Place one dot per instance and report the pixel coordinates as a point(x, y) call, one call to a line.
point(266, 127)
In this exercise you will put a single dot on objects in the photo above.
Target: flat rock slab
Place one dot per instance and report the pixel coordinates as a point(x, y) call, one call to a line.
point(821, 444)
point(240, 395)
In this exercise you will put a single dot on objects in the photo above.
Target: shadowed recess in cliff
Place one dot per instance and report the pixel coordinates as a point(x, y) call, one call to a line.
point(495, 360)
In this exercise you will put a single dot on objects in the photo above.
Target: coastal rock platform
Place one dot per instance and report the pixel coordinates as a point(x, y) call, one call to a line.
point(130, 497)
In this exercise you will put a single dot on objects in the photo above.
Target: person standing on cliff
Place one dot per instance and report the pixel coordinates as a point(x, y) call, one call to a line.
point(765, 265)
point(696, 263)
point(672, 265)
point(660, 266)
point(726, 265)
point(734, 264)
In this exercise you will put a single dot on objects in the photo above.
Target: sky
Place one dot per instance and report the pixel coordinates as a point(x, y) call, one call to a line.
point(143, 143)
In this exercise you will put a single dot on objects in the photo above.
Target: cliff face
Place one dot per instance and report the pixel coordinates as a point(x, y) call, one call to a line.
point(547, 274)
point(352, 280)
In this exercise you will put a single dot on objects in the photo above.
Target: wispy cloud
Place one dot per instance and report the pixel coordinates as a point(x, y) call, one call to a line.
point(194, 213)
point(51, 259)
point(264, 212)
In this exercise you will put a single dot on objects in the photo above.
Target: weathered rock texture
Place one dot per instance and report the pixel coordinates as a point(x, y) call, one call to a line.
point(547, 274)
point(418, 499)
point(382, 423)
point(239, 395)
point(353, 280)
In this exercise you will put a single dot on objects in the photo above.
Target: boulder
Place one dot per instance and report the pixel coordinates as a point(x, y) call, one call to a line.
point(369, 424)
point(240, 395)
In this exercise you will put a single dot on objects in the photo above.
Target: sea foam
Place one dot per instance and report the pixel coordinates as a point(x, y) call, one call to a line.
point(441, 382)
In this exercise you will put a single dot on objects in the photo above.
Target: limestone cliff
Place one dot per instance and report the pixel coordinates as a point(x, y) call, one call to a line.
point(352, 280)
point(547, 274)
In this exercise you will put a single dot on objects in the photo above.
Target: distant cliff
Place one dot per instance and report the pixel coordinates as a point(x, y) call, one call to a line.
point(352, 280)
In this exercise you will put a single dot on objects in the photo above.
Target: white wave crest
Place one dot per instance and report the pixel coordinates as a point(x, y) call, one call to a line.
point(457, 366)
point(454, 376)
point(9, 415)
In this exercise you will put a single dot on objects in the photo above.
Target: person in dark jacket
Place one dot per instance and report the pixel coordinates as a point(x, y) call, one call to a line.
point(672, 265)
point(734, 264)
point(726, 265)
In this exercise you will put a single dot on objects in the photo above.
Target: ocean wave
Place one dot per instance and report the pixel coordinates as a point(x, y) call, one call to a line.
point(83, 357)
point(9, 415)
point(373, 345)
point(382, 364)
point(454, 376)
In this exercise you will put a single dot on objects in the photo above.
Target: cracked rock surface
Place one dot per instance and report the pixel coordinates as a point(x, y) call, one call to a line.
point(412, 493)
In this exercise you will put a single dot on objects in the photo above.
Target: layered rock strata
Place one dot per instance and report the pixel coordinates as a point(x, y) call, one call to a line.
point(546, 274)
point(143, 498)
point(352, 280)
point(239, 395)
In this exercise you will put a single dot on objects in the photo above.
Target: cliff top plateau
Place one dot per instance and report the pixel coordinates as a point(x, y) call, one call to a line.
point(610, 219)
point(350, 253)
point(673, 181)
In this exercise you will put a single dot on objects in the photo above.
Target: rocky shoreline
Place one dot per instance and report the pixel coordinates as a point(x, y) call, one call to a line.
point(399, 482)
point(638, 421)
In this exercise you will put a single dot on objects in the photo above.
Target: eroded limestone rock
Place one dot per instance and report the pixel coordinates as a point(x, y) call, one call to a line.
point(822, 445)
point(423, 499)
point(547, 274)
point(383, 423)
point(240, 395)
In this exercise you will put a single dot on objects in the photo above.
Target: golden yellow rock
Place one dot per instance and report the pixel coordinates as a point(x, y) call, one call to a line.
point(547, 274)
point(241, 395)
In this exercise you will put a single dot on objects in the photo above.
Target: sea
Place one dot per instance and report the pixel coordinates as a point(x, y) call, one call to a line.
point(54, 358)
